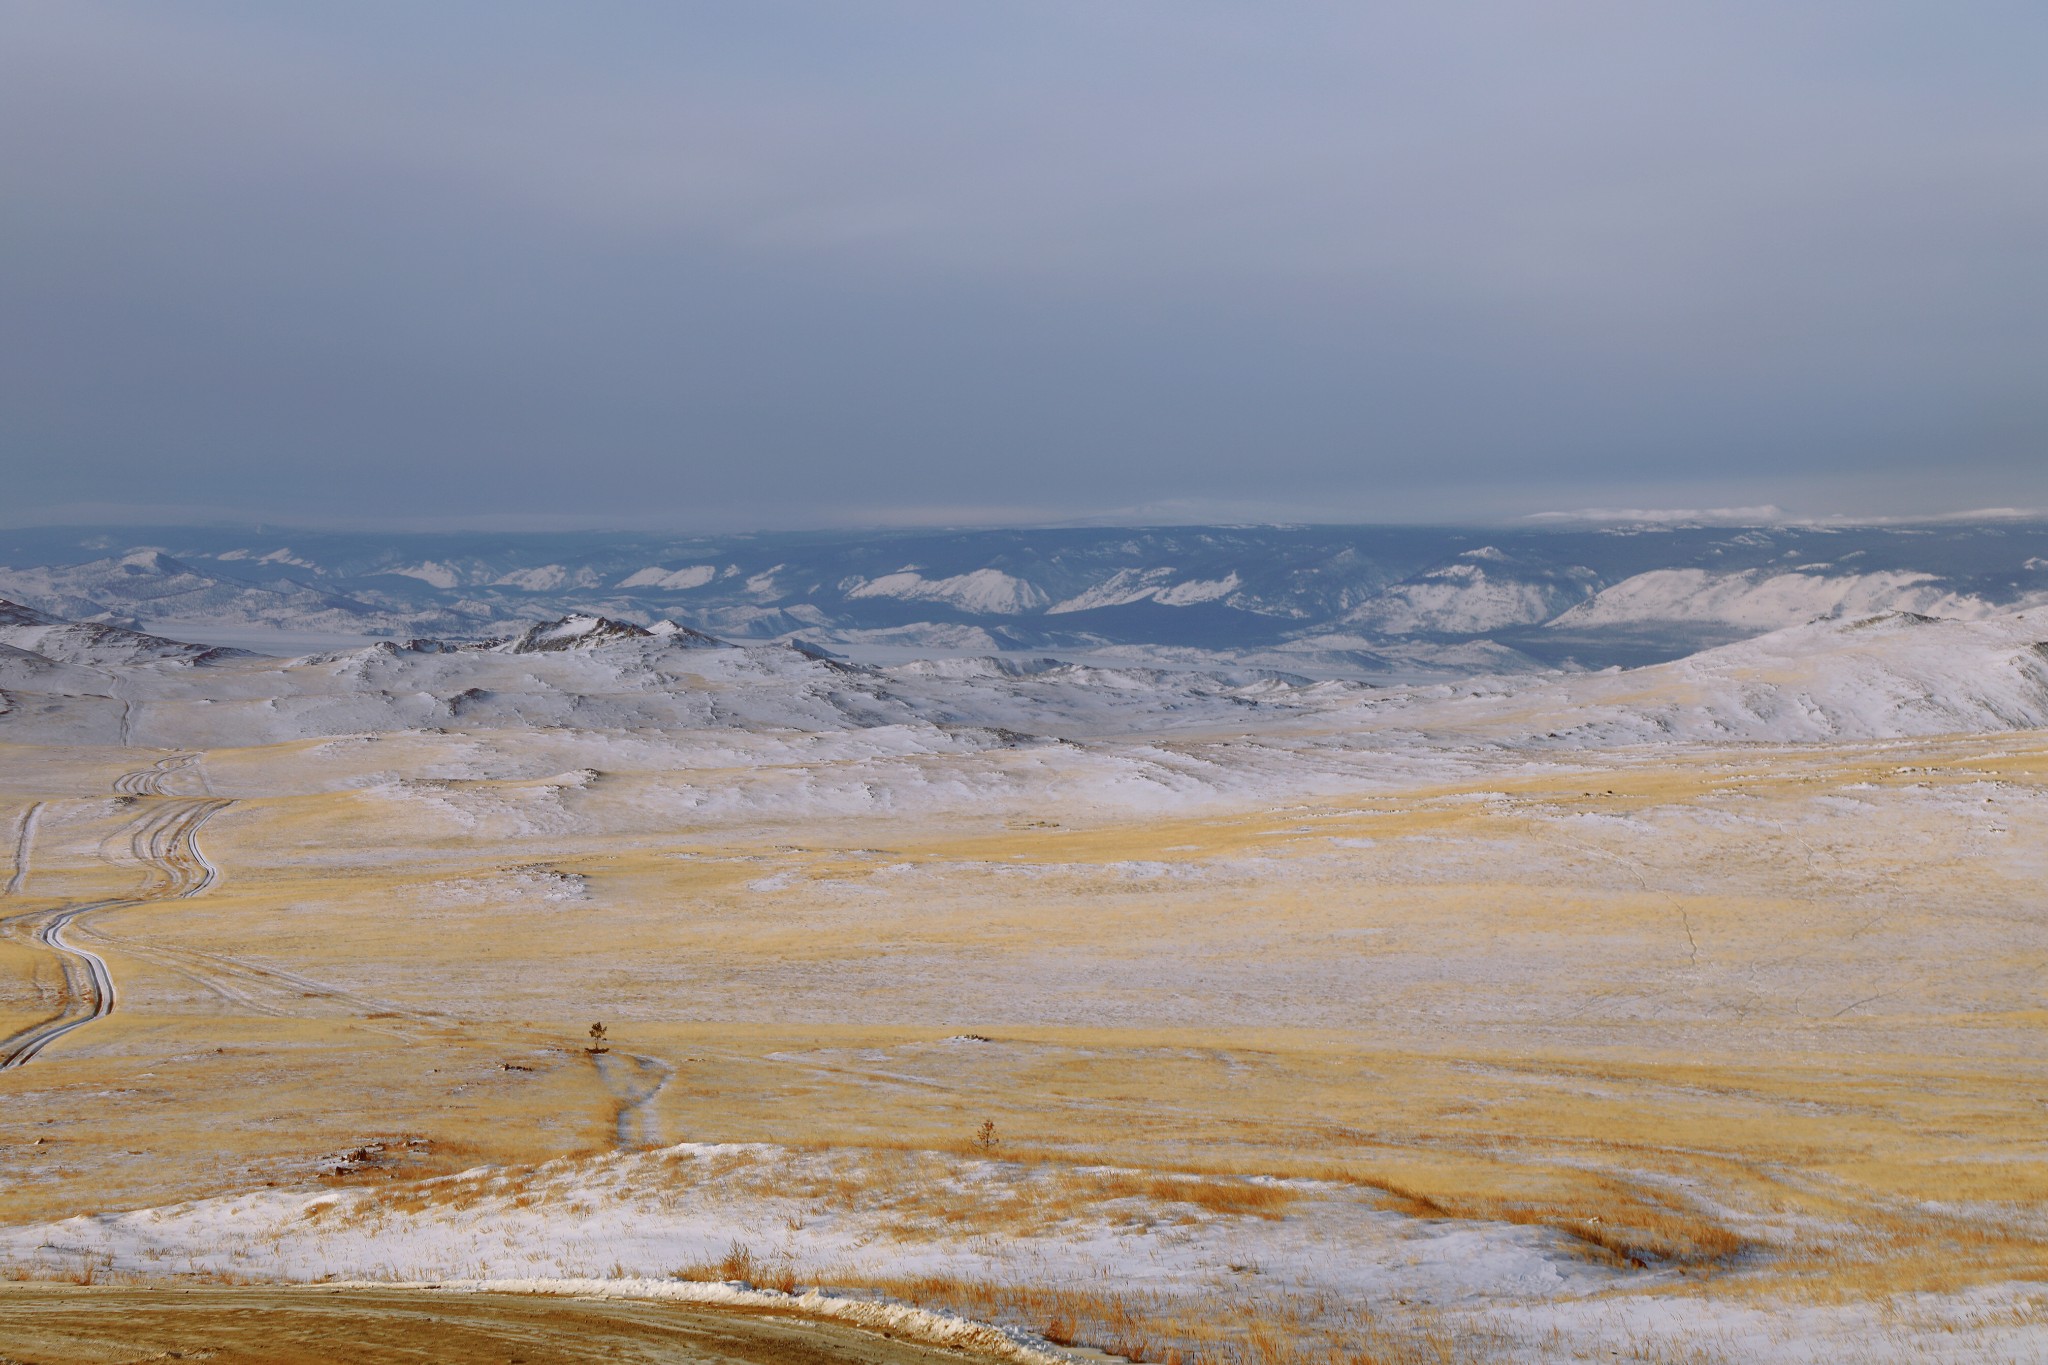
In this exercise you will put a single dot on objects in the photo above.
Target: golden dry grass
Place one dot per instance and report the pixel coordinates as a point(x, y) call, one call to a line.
point(1771, 1015)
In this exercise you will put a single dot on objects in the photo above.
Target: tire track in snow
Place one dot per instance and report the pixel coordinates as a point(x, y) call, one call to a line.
point(242, 983)
point(634, 1081)
point(151, 781)
point(18, 883)
point(165, 841)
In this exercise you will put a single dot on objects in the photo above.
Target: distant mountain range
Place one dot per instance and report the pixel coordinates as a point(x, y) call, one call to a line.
point(1313, 598)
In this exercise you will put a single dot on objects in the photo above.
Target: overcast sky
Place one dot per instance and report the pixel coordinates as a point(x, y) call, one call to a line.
point(783, 264)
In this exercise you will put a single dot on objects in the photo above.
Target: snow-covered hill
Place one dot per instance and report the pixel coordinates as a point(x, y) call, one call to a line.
point(1885, 676)
point(1762, 599)
point(1881, 676)
point(92, 643)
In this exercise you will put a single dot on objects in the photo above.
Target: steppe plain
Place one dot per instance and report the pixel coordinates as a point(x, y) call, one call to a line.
point(1691, 1013)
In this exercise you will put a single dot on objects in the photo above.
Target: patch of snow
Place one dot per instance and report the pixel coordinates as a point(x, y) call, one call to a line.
point(546, 578)
point(536, 882)
point(1126, 586)
point(628, 1220)
point(149, 561)
point(431, 572)
point(671, 580)
point(285, 556)
point(1121, 588)
point(1197, 590)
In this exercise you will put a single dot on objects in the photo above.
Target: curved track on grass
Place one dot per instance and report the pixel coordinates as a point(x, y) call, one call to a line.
point(634, 1082)
point(164, 841)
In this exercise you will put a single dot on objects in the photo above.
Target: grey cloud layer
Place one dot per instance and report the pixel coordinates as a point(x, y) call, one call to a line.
point(797, 262)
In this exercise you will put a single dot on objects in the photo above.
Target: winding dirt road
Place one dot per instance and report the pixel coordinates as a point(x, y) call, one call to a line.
point(45, 1324)
point(165, 842)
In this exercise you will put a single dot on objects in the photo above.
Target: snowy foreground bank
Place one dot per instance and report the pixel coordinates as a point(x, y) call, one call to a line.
point(1139, 1263)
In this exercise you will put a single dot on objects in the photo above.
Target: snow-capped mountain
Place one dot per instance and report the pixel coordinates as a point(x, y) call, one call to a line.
point(1347, 599)
point(1482, 591)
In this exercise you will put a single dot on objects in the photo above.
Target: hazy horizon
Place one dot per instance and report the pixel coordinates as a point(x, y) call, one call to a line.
point(148, 518)
point(801, 265)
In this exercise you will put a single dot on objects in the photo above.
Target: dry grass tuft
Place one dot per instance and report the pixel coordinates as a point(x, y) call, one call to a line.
point(1620, 1223)
point(740, 1265)
point(1227, 1198)
point(1248, 1329)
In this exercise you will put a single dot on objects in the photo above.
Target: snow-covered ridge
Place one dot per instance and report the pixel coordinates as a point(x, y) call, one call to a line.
point(1127, 586)
point(1761, 599)
point(573, 632)
point(431, 573)
point(989, 591)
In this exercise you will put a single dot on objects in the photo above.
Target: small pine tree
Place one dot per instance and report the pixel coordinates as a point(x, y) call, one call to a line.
point(985, 1136)
point(597, 1038)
